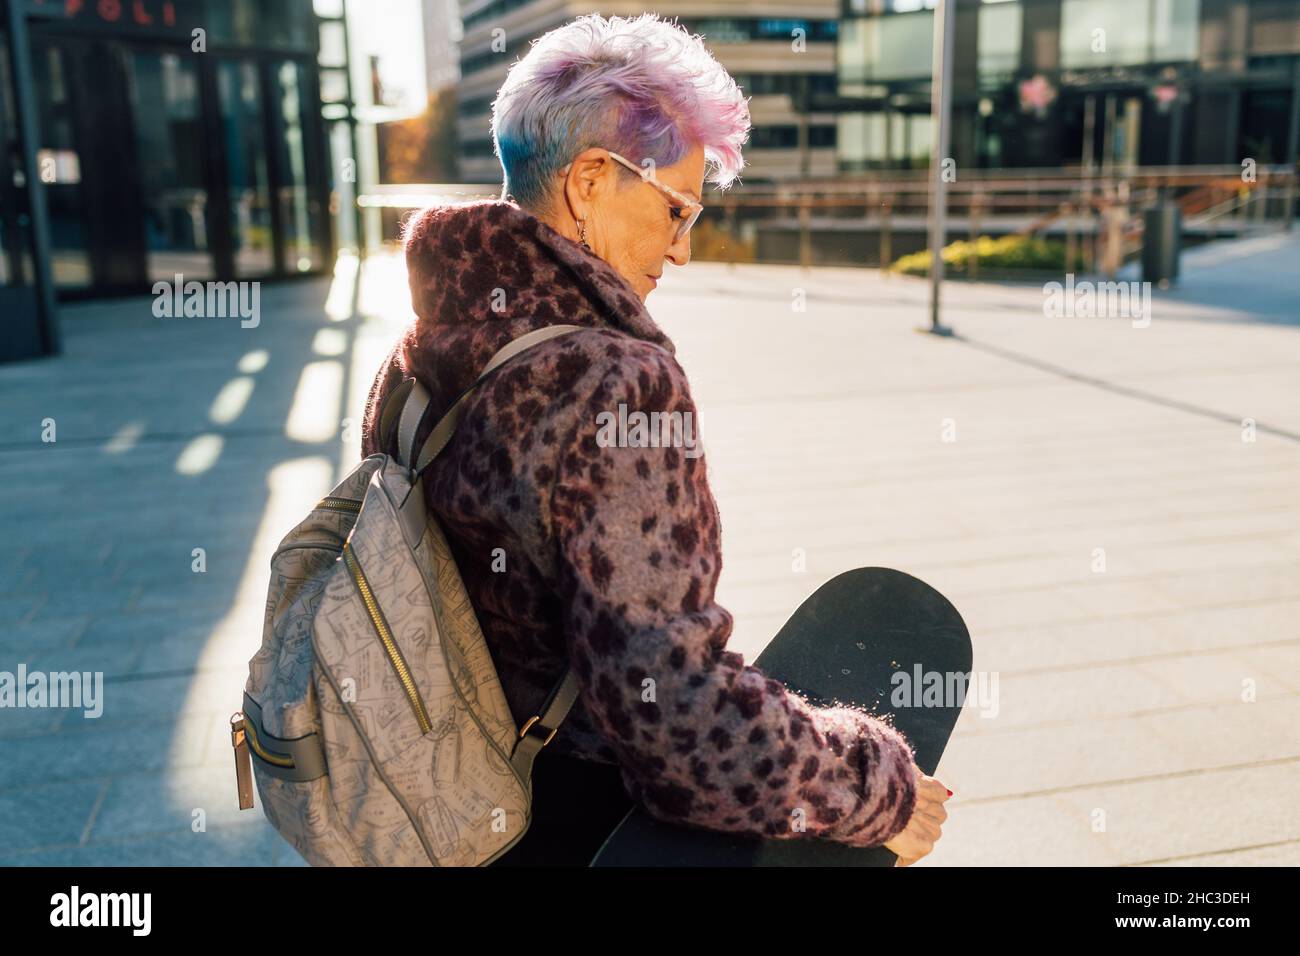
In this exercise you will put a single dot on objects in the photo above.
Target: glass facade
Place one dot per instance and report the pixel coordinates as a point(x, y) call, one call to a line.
point(159, 159)
point(1060, 83)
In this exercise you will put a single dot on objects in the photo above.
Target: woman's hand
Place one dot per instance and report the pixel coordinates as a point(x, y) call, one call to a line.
point(926, 824)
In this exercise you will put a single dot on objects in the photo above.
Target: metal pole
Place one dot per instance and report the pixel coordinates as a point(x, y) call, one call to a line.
point(945, 20)
point(886, 237)
point(805, 159)
point(358, 220)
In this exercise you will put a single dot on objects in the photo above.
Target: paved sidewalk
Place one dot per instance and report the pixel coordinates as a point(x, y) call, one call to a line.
point(1121, 737)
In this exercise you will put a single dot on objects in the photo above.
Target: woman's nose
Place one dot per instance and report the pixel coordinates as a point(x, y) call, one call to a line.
point(679, 253)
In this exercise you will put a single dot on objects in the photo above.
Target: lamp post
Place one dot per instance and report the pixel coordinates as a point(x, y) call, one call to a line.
point(945, 20)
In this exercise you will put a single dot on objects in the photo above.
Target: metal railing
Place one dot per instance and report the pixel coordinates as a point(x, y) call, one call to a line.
point(873, 218)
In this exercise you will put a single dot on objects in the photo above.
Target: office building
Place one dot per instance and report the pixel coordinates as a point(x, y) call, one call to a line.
point(1063, 83)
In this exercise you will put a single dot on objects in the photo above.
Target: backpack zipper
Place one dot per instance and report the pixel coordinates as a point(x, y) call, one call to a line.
point(243, 736)
point(242, 732)
point(243, 766)
point(386, 638)
point(330, 503)
point(334, 503)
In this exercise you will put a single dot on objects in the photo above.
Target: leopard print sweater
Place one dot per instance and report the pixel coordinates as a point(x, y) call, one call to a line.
point(606, 557)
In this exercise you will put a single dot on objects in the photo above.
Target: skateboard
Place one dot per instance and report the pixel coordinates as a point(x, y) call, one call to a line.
point(844, 644)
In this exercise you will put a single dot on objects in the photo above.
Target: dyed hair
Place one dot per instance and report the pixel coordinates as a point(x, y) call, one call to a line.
point(642, 87)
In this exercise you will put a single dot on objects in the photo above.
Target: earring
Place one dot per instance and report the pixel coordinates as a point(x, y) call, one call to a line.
point(582, 232)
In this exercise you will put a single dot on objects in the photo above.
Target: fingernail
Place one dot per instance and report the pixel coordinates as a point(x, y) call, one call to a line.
point(949, 791)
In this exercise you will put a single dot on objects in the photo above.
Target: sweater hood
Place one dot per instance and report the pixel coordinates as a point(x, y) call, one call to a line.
point(491, 262)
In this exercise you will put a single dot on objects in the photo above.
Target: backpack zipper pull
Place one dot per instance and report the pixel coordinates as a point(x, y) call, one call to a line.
point(243, 763)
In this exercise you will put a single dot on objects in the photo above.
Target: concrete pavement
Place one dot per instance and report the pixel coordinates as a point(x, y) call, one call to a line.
point(1080, 488)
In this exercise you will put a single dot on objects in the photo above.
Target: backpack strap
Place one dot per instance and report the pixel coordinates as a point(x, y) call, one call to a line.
point(547, 723)
point(394, 402)
point(446, 426)
point(415, 401)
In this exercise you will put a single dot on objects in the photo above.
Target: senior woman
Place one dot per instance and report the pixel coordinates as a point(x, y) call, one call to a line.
point(606, 558)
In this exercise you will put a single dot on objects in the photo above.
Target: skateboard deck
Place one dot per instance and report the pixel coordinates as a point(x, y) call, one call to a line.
point(844, 645)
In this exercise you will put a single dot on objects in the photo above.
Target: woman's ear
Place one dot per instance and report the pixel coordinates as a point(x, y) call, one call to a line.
point(586, 180)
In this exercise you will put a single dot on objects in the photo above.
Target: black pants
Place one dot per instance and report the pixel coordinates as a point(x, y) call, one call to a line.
point(576, 805)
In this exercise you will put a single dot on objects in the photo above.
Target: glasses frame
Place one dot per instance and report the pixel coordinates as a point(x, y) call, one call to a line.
point(681, 202)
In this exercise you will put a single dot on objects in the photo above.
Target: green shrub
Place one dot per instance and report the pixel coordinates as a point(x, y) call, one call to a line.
point(1004, 254)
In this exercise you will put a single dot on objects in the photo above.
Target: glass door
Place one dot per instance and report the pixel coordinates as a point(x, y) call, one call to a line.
point(165, 103)
point(244, 142)
point(12, 268)
point(121, 162)
point(27, 322)
point(299, 207)
point(60, 159)
point(272, 174)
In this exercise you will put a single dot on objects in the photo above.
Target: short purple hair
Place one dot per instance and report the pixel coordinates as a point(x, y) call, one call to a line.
point(642, 87)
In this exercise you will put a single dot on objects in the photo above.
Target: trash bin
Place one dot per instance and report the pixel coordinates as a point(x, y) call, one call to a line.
point(1161, 243)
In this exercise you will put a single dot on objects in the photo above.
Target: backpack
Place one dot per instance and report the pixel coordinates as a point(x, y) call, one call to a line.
point(376, 726)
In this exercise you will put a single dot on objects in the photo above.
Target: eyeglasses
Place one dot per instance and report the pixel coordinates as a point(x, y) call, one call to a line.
point(685, 209)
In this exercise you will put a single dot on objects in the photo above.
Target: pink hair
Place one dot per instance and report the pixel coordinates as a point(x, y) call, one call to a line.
point(643, 87)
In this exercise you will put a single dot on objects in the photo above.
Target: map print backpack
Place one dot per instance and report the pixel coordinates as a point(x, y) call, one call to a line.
point(373, 720)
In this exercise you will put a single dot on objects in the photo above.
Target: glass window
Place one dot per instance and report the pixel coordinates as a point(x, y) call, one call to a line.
point(9, 166)
point(774, 137)
point(264, 23)
point(1266, 116)
point(1099, 33)
point(999, 37)
point(245, 145)
point(8, 131)
point(821, 136)
point(1274, 27)
point(722, 31)
point(164, 93)
point(298, 214)
point(861, 138)
point(896, 145)
point(880, 139)
point(333, 86)
point(780, 29)
point(886, 48)
point(344, 197)
point(333, 45)
point(1175, 29)
point(59, 164)
point(920, 139)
